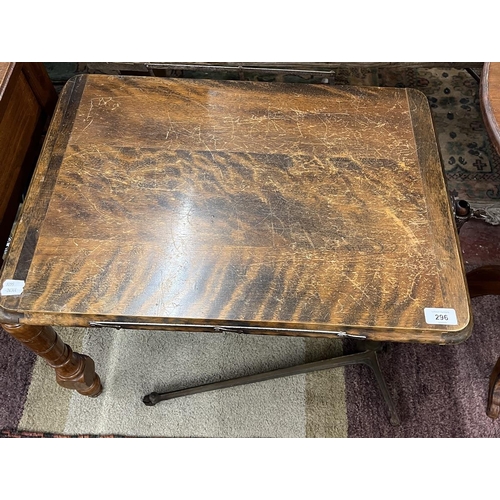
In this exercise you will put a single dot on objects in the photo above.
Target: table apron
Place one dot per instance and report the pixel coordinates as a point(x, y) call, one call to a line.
point(225, 329)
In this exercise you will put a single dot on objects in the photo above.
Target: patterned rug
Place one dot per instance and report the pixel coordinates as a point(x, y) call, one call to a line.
point(471, 163)
point(439, 391)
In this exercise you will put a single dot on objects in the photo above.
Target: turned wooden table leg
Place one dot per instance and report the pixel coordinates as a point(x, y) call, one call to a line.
point(73, 370)
point(486, 281)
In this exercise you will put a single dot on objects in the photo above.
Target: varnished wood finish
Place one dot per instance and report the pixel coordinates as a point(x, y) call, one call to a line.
point(4, 69)
point(41, 85)
point(279, 209)
point(486, 280)
point(7, 71)
point(27, 100)
point(493, 409)
point(73, 370)
point(490, 101)
point(18, 124)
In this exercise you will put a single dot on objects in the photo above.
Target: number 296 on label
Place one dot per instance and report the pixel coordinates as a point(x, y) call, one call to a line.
point(440, 316)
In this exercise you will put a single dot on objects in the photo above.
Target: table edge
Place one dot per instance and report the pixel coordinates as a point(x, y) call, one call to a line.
point(489, 118)
point(450, 335)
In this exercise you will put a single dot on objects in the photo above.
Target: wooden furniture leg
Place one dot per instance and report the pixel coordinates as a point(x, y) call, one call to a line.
point(73, 370)
point(493, 410)
point(486, 281)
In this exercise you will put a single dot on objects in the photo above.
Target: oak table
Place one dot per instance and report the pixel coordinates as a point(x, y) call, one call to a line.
point(262, 208)
point(486, 280)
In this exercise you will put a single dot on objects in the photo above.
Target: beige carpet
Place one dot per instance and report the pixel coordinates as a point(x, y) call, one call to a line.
point(439, 391)
point(133, 363)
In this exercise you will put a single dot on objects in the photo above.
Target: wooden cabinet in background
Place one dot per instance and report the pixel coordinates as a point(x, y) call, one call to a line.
point(27, 101)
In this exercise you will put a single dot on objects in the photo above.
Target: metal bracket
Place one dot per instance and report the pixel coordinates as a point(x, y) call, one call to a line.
point(463, 212)
point(367, 357)
point(328, 76)
point(225, 329)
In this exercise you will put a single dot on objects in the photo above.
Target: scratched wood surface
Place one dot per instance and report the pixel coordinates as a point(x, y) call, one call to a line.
point(273, 208)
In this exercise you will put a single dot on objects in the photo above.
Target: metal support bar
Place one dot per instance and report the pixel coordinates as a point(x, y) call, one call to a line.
point(241, 69)
point(473, 74)
point(367, 357)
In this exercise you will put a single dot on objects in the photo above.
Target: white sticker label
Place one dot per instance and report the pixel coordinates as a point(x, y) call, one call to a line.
point(12, 287)
point(440, 316)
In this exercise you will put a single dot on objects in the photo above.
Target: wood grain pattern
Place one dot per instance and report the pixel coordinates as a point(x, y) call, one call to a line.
point(493, 408)
point(73, 370)
point(17, 126)
point(490, 101)
point(272, 208)
point(4, 68)
point(485, 280)
point(27, 100)
point(9, 74)
point(7, 70)
point(41, 85)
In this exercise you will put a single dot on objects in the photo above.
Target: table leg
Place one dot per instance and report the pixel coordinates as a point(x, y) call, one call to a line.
point(485, 280)
point(73, 370)
point(367, 357)
point(493, 410)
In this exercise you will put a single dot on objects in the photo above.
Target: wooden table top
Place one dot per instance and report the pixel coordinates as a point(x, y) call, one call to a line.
point(490, 101)
point(4, 68)
point(270, 208)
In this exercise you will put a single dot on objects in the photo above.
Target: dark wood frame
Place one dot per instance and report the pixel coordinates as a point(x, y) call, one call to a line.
point(485, 280)
point(489, 117)
point(25, 83)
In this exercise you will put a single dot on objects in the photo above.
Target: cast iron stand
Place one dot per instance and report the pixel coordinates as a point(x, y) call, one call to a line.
point(367, 357)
